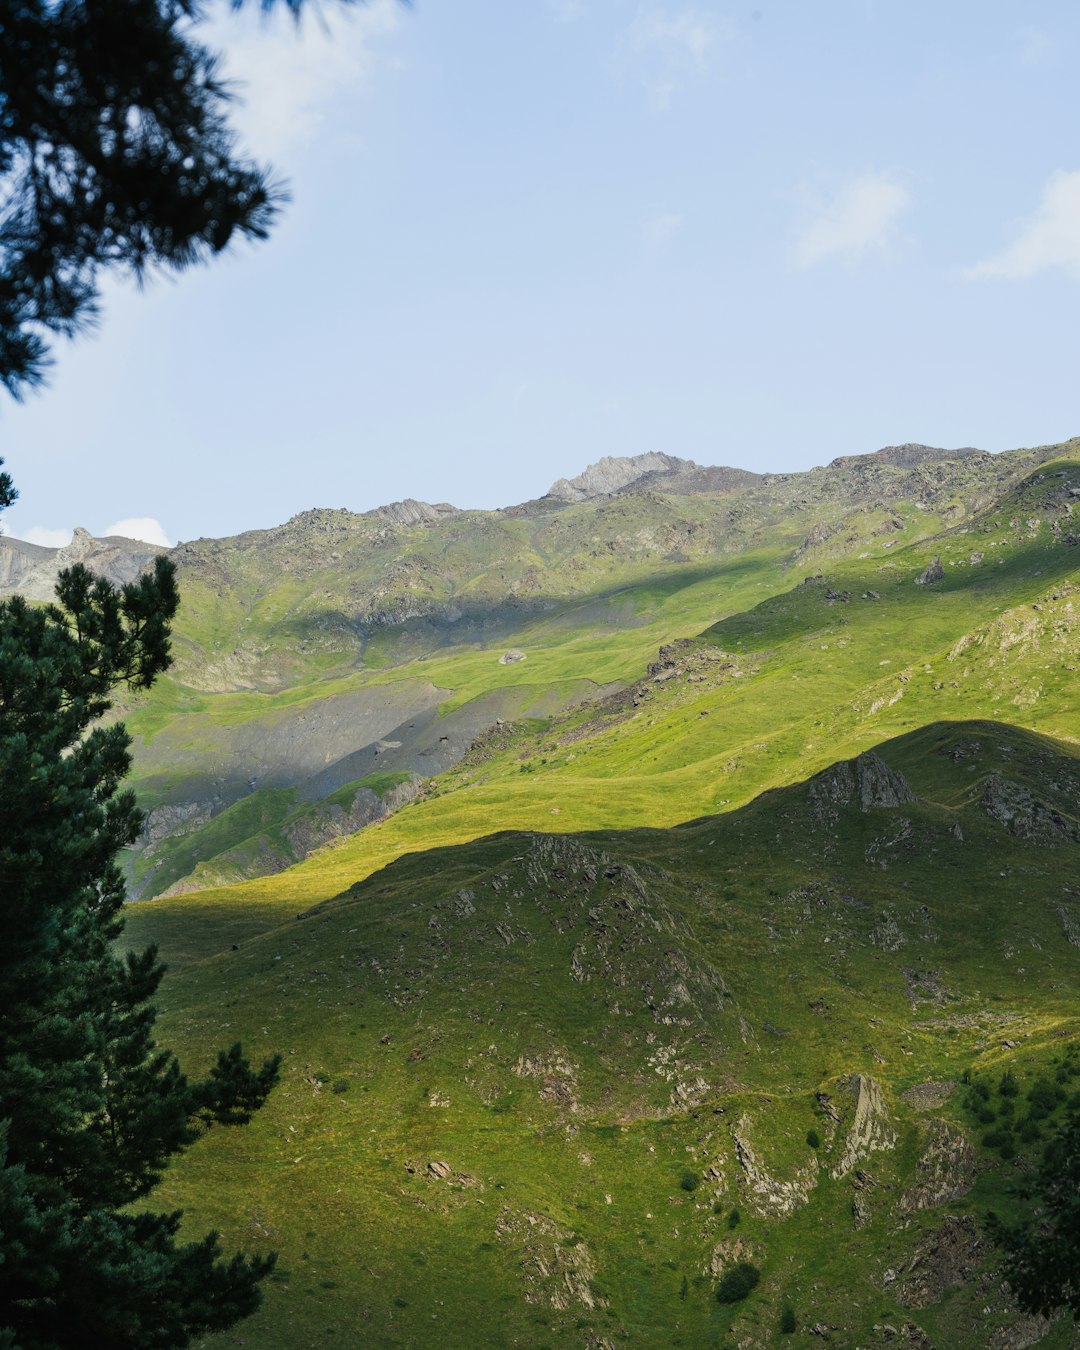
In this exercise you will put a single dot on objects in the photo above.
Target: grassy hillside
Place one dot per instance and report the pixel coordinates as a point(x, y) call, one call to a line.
point(406, 672)
point(546, 1089)
point(828, 667)
point(701, 935)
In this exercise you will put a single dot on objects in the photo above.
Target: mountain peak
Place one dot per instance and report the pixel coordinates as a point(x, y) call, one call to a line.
point(613, 472)
point(908, 455)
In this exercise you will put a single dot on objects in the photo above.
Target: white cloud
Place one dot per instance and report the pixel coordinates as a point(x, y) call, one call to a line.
point(664, 49)
point(1036, 47)
point(861, 218)
point(287, 75)
point(41, 534)
point(146, 528)
point(658, 231)
point(1047, 240)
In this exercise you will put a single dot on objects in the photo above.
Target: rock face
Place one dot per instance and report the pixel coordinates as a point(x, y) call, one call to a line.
point(412, 512)
point(31, 571)
point(866, 781)
point(946, 1258)
point(870, 1129)
point(945, 1170)
point(766, 1194)
point(1024, 815)
point(613, 472)
point(931, 573)
point(909, 455)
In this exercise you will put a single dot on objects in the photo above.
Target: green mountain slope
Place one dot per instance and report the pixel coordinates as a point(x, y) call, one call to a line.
point(546, 1089)
point(337, 647)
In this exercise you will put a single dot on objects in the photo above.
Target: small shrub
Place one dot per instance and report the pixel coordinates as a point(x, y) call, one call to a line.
point(737, 1283)
point(684, 1288)
point(689, 1181)
point(787, 1320)
point(984, 1115)
point(1008, 1086)
point(813, 1138)
point(717, 1208)
point(1029, 1131)
point(341, 1086)
point(321, 1077)
point(983, 1091)
point(1043, 1098)
point(733, 1219)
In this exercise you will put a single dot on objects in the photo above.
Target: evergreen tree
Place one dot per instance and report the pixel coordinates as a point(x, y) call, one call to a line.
point(115, 152)
point(90, 1108)
point(1042, 1262)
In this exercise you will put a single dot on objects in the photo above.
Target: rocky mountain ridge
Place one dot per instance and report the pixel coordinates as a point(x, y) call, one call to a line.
point(31, 570)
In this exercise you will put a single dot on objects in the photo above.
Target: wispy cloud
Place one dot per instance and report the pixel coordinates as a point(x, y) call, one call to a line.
point(287, 75)
point(1048, 240)
point(658, 231)
point(144, 528)
point(664, 49)
point(1037, 48)
point(41, 534)
point(566, 11)
point(859, 219)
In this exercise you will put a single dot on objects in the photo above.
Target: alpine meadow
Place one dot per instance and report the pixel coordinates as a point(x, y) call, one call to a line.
point(641, 915)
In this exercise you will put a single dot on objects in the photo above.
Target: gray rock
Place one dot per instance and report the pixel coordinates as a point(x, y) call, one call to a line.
point(866, 781)
point(412, 512)
point(32, 571)
point(931, 573)
point(909, 455)
point(613, 472)
point(1024, 815)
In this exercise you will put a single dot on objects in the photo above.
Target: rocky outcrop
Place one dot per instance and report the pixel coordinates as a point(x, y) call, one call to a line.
point(1024, 815)
point(557, 1268)
point(32, 571)
point(768, 1195)
point(866, 782)
point(613, 472)
point(412, 512)
point(945, 1259)
point(931, 573)
point(930, 1095)
point(870, 1130)
point(909, 455)
point(945, 1170)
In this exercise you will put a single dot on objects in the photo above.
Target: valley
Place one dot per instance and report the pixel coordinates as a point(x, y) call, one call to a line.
point(640, 883)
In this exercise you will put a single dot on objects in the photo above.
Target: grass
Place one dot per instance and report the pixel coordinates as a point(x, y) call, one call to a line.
point(624, 944)
point(574, 1076)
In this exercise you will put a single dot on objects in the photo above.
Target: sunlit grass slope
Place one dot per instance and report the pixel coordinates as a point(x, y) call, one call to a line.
point(541, 1090)
point(825, 669)
point(366, 621)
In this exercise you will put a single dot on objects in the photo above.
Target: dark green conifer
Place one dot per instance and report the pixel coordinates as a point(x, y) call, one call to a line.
point(90, 1108)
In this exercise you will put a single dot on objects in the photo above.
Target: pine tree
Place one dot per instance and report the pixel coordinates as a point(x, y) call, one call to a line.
point(91, 1109)
point(115, 152)
point(1042, 1254)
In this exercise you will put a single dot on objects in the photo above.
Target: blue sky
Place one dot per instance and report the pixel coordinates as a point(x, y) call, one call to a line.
point(524, 235)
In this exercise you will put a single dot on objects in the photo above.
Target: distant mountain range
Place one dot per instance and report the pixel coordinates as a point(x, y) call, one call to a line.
point(642, 882)
point(31, 569)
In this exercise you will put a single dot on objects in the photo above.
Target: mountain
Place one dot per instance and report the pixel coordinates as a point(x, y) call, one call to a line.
point(31, 570)
point(680, 872)
point(335, 667)
point(547, 1089)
